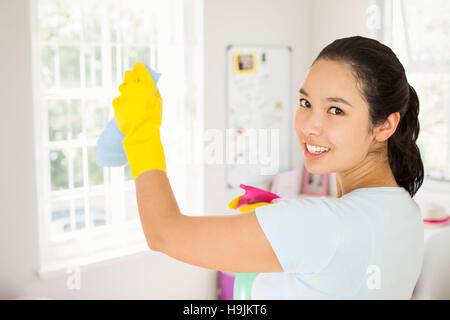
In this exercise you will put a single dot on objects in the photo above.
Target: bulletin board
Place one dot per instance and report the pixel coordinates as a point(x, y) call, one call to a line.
point(258, 104)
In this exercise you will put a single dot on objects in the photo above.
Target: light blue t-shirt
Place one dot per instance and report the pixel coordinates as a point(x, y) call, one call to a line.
point(368, 244)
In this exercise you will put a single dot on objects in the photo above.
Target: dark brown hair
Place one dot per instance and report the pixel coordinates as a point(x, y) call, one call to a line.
point(383, 83)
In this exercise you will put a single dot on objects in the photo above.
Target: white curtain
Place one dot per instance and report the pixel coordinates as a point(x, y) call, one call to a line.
point(180, 61)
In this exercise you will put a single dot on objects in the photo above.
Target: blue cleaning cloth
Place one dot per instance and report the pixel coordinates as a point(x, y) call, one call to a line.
point(110, 150)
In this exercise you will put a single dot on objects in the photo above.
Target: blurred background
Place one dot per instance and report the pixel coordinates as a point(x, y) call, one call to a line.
point(69, 229)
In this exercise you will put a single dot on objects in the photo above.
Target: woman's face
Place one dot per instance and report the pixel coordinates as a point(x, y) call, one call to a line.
point(324, 119)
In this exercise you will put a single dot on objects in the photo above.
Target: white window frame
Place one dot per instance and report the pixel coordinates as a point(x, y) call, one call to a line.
point(121, 237)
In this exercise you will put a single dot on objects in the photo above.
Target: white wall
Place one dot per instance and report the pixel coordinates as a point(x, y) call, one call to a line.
point(339, 19)
point(18, 234)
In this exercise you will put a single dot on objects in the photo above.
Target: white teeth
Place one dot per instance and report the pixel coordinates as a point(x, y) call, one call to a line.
point(316, 149)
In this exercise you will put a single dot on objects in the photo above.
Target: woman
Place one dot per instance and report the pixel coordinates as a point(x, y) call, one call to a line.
point(367, 243)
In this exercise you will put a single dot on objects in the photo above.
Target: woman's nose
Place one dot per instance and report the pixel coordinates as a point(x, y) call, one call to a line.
point(312, 131)
point(311, 125)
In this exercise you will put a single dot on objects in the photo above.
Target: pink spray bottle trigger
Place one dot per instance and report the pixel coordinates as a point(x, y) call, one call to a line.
point(254, 195)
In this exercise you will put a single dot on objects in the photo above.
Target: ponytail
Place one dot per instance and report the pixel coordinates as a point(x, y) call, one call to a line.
point(403, 153)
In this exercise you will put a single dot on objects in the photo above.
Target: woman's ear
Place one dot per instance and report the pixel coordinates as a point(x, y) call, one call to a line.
point(387, 129)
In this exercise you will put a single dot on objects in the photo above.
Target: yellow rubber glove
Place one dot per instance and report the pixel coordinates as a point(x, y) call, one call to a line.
point(138, 113)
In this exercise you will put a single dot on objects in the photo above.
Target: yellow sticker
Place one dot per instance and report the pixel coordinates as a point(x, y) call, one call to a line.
point(278, 105)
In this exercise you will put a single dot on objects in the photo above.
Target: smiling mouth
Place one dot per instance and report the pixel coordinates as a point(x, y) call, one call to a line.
point(315, 149)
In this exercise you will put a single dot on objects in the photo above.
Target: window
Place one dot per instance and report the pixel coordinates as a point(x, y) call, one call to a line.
point(81, 50)
point(419, 35)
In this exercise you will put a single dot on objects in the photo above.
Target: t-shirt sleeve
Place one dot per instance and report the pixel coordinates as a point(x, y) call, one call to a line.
point(304, 233)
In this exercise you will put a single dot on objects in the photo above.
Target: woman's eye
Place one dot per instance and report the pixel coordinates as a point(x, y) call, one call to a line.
point(305, 103)
point(302, 101)
point(340, 111)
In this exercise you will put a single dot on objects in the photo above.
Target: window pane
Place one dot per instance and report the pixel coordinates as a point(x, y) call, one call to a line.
point(114, 67)
point(75, 119)
point(433, 116)
point(131, 208)
point(58, 170)
point(428, 28)
point(133, 55)
point(135, 22)
point(92, 11)
point(95, 171)
point(93, 65)
point(114, 32)
point(97, 210)
point(80, 217)
point(48, 20)
point(48, 66)
point(96, 117)
point(128, 174)
point(59, 20)
point(57, 120)
point(69, 58)
point(114, 17)
point(78, 168)
point(60, 217)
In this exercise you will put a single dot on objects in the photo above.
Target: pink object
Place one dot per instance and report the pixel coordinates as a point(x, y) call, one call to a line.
point(436, 221)
point(314, 185)
point(254, 195)
point(226, 286)
point(286, 184)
